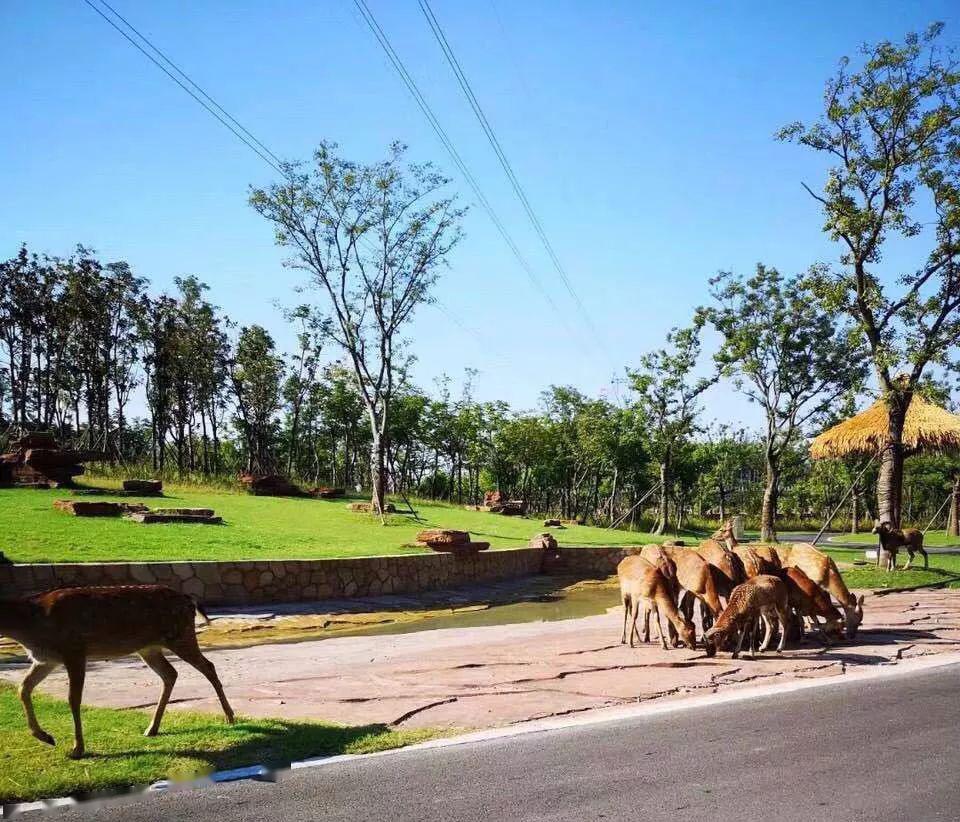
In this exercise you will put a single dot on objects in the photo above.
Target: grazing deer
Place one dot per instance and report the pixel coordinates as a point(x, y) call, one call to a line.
point(693, 576)
point(765, 598)
point(756, 563)
point(823, 571)
point(728, 567)
point(892, 539)
point(643, 585)
point(810, 600)
point(68, 626)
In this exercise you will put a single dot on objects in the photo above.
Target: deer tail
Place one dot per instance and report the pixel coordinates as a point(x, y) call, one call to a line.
point(200, 610)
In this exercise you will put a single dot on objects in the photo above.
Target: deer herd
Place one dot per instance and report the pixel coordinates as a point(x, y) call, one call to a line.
point(738, 589)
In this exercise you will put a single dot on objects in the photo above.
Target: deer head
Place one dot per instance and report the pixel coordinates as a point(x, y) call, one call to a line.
point(688, 634)
point(853, 614)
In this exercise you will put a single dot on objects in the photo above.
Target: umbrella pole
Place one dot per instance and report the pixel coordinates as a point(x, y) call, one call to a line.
point(853, 485)
point(936, 516)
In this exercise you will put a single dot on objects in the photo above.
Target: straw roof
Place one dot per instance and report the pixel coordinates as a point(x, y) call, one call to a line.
point(928, 427)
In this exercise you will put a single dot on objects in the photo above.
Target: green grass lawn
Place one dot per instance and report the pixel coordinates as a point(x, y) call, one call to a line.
point(943, 568)
point(931, 539)
point(254, 528)
point(189, 745)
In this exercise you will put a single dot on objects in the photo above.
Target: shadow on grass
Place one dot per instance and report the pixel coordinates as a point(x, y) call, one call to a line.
point(274, 743)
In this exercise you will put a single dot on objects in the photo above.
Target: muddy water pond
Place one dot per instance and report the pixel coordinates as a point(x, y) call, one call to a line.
point(540, 599)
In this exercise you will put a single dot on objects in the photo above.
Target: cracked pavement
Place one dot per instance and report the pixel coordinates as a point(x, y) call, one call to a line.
point(483, 677)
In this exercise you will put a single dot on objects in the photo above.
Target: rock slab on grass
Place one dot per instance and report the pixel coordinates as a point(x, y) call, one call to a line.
point(82, 508)
point(152, 517)
point(142, 486)
point(435, 537)
point(367, 508)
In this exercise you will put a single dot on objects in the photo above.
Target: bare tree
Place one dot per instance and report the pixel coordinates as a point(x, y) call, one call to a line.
point(372, 238)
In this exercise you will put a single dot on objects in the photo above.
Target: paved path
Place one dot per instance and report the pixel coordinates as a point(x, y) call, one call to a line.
point(493, 676)
point(880, 750)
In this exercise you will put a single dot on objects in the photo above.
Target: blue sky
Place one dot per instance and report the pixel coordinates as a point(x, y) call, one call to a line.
point(641, 132)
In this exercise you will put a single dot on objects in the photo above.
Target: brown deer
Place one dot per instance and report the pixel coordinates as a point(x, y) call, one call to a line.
point(892, 539)
point(824, 572)
point(68, 626)
point(728, 567)
point(693, 576)
point(724, 534)
point(810, 600)
point(643, 585)
point(756, 563)
point(762, 598)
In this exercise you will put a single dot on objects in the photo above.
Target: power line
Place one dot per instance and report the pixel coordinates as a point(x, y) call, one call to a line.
point(248, 138)
point(225, 119)
point(424, 106)
point(467, 89)
point(189, 80)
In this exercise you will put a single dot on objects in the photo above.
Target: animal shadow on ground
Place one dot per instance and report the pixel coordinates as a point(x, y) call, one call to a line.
point(275, 744)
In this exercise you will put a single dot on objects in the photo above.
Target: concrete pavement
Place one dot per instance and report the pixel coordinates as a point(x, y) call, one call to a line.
point(493, 676)
point(879, 750)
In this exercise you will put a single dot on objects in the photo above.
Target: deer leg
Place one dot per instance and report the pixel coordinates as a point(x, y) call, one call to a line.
point(909, 560)
point(926, 559)
point(634, 615)
point(655, 613)
point(626, 620)
point(38, 672)
point(741, 634)
point(767, 632)
point(646, 625)
point(188, 650)
point(157, 663)
point(76, 673)
point(784, 615)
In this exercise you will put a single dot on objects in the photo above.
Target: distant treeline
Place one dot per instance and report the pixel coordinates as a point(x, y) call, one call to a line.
point(84, 341)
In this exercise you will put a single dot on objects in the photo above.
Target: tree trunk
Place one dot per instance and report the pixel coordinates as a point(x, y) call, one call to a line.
point(377, 473)
point(855, 510)
point(890, 481)
point(771, 493)
point(663, 512)
point(954, 529)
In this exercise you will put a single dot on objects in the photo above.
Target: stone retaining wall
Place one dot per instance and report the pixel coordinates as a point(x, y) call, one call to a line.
point(248, 582)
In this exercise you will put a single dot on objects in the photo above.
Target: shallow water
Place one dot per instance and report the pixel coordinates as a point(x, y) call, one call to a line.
point(572, 603)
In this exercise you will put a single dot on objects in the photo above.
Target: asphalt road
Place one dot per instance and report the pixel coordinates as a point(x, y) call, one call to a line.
point(882, 750)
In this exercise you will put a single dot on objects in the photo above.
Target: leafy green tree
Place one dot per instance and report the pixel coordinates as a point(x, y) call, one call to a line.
point(668, 393)
point(373, 238)
point(255, 374)
point(890, 130)
point(788, 354)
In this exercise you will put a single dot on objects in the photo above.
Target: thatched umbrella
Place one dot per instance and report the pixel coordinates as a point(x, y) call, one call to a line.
point(927, 427)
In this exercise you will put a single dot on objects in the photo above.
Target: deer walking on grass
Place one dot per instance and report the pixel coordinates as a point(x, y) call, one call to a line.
point(892, 539)
point(69, 626)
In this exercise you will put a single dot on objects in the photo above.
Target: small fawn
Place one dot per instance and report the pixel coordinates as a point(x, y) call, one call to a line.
point(763, 597)
point(68, 626)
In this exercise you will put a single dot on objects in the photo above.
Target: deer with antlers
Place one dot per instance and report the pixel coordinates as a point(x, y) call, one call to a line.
point(69, 626)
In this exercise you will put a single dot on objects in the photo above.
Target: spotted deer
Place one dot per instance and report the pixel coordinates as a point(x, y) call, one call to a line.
point(643, 586)
point(762, 598)
point(70, 626)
